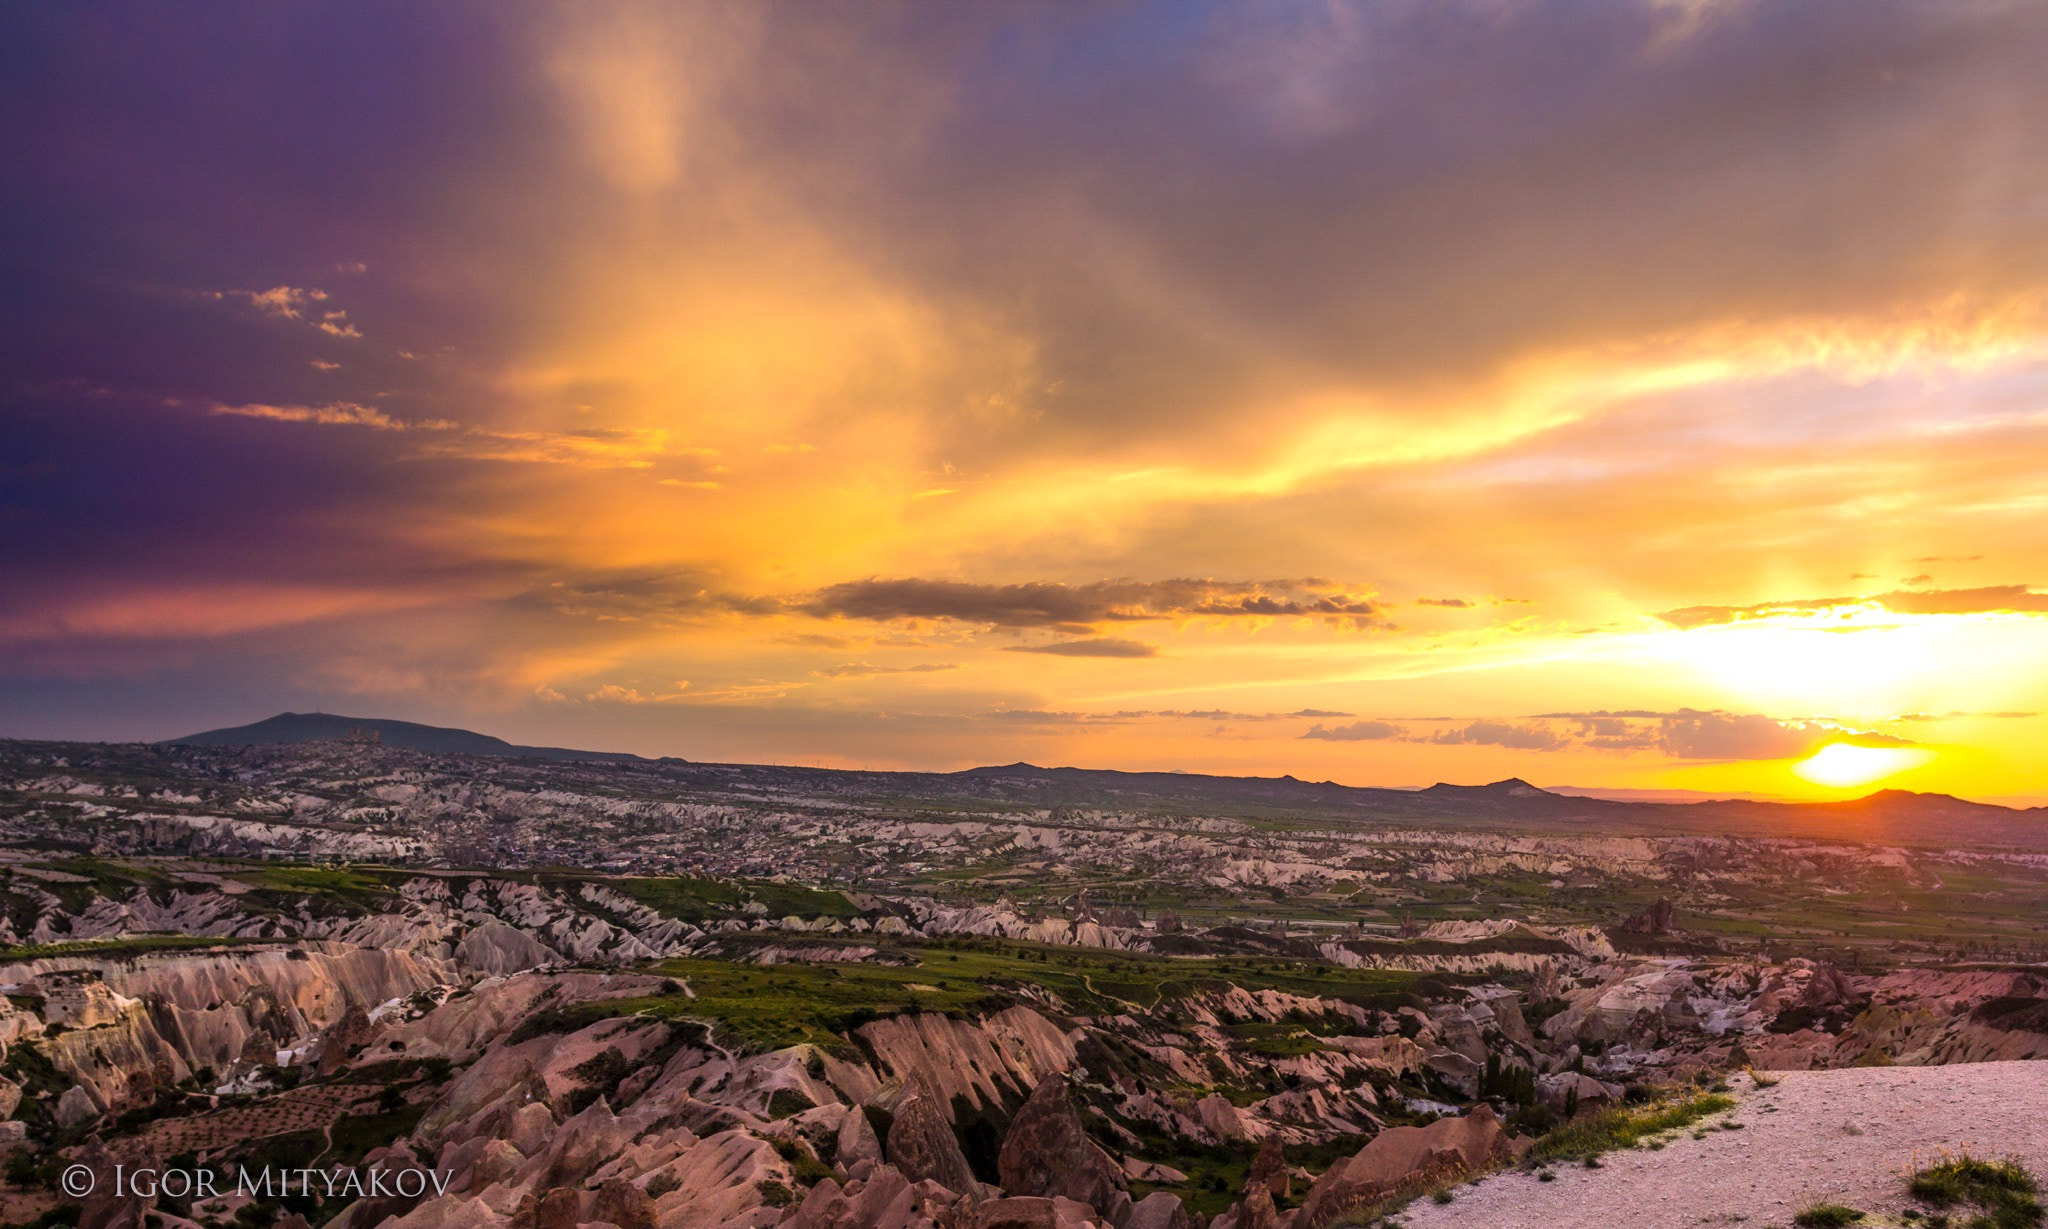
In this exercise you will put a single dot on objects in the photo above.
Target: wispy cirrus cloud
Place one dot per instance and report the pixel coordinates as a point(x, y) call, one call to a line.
point(334, 414)
point(867, 669)
point(283, 302)
point(302, 303)
point(596, 447)
point(336, 324)
point(1097, 646)
point(1357, 731)
point(1987, 599)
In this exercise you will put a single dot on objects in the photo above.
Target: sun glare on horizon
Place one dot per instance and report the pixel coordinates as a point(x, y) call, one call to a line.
point(1848, 765)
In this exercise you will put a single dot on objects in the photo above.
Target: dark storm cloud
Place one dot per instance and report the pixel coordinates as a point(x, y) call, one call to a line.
point(1209, 202)
point(1047, 604)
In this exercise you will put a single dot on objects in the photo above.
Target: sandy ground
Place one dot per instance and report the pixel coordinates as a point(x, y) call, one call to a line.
point(1818, 1136)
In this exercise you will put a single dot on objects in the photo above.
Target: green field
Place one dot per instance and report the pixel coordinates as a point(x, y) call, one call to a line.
point(764, 1007)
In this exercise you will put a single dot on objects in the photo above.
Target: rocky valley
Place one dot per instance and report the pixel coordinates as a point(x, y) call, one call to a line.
point(658, 995)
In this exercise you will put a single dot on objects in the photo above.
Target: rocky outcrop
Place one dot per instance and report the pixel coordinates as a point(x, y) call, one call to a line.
point(621, 1203)
point(1269, 1170)
point(344, 1039)
point(1047, 1152)
point(991, 1063)
point(1158, 1210)
point(857, 1150)
point(1403, 1158)
point(1035, 1212)
point(887, 1200)
point(496, 949)
point(1655, 920)
point(922, 1145)
point(1569, 1091)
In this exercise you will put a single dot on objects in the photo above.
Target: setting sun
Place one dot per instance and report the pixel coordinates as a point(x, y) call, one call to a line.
point(1846, 765)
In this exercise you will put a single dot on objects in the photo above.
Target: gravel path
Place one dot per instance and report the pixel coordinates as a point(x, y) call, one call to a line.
point(1818, 1136)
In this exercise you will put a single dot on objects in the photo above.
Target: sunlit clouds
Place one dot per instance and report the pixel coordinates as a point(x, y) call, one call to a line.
point(1639, 395)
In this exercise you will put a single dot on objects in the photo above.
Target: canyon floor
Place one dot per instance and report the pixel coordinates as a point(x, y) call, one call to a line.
point(1844, 1137)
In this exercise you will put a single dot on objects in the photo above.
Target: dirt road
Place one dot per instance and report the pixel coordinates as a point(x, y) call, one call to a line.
point(1819, 1136)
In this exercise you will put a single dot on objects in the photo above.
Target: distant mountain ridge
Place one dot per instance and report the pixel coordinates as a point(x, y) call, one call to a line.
point(409, 735)
point(1885, 816)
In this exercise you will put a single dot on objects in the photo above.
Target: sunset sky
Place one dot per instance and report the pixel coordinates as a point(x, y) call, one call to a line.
point(1640, 396)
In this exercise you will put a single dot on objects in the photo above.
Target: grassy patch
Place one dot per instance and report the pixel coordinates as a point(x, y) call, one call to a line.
point(1827, 1216)
point(766, 1007)
point(696, 900)
point(2003, 1192)
point(1625, 1126)
point(756, 1007)
point(360, 1133)
point(348, 885)
point(1280, 1040)
point(115, 949)
point(769, 1007)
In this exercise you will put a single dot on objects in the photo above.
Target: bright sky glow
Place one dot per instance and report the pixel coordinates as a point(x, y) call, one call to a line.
point(1846, 766)
point(1378, 393)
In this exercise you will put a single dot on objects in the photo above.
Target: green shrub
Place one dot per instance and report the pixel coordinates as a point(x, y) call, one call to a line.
point(1624, 1126)
point(1827, 1216)
point(2003, 1191)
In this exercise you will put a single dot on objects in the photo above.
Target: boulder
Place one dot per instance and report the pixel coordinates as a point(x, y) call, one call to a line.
point(1555, 1091)
point(75, 1106)
point(621, 1203)
point(496, 1162)
point(859, 1150)
point(1158, 1210)
point(1220, 1118)
point(1033, 1212)
point(531, 1127)
point(1456, 1070)
point(560, 1208)
point(1404, 1158)
point(1151, 1171)
point(1508, 1018)
point(923, 1147)
point(1047, 1152)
